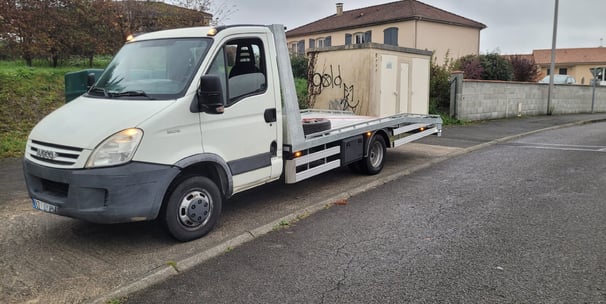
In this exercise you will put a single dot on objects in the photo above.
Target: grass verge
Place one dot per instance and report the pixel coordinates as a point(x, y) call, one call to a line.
point(27, 94)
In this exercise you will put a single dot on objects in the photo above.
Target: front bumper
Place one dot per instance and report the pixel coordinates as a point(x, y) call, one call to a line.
point(131, 192)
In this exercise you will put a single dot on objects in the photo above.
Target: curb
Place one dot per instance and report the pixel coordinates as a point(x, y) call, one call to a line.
point(165, 272)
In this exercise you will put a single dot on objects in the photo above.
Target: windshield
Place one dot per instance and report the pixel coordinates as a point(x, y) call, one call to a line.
point(152, 69)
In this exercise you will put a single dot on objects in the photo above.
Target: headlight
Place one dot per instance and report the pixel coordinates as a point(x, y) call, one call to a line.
point(116, 149)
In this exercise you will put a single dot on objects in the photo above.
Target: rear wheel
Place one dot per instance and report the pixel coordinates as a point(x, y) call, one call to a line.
point(355, 166)
point(192, 209)
point(373, 163)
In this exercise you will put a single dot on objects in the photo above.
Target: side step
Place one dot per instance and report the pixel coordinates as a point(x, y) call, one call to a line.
point(400, 137)
point(312, 163)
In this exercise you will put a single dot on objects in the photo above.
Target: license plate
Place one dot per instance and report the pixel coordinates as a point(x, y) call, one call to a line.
point(42, 206)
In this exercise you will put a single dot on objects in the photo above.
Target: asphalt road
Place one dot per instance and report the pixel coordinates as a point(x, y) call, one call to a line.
point(50, 259)
point(46, 258)
point(519, 222)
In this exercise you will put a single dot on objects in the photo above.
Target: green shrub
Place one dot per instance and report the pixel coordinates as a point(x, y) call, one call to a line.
point(439, 88)
point(299, 66)
point(485, 67)
point(301, 88)
point(496, 67)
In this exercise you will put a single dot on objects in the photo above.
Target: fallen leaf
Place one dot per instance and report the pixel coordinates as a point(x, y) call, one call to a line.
point(341, 202)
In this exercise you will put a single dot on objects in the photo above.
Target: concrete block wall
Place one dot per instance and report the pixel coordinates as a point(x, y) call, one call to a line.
point(480, 100)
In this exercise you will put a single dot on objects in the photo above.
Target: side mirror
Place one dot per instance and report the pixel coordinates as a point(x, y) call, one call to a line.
point(210, 95)
point(90, 79)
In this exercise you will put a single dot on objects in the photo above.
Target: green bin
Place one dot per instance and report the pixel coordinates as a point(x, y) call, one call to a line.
point(76, 83)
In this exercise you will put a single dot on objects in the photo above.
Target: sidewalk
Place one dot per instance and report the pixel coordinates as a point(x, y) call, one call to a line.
point(54, 259)
point(474, 133)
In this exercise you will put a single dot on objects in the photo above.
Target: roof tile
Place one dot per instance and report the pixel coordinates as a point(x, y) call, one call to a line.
point(571, 56)
point(397, 11)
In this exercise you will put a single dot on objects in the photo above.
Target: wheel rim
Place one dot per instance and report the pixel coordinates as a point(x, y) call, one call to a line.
point(376, 154)
point(195, 209)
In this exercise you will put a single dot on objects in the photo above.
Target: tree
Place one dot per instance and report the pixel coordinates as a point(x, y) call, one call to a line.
point(496, 67)
point(524, 68)
point(93, 29)
point(220, 11)
point(56, 29)
point(23, 28)
point(470, 66)
point(485, 67)
point(58, 24)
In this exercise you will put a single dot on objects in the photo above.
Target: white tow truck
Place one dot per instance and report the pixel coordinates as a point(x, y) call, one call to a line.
point(182, 119)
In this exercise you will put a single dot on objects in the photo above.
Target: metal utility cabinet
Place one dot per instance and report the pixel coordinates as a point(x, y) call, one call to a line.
point(370, 79)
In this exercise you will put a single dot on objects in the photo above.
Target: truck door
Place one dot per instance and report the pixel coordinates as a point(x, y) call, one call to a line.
point(246, 134)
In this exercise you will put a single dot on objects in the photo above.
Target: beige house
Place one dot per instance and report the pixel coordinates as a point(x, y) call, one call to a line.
point(575, 62)
point(403, 23)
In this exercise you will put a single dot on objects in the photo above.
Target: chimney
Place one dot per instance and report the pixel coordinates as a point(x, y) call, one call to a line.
point(339, 9)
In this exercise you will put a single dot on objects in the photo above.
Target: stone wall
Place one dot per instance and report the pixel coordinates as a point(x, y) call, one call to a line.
point(479, 100)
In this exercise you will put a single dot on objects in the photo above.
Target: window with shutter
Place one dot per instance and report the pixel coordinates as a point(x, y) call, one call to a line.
point(348, 39)
point(390, 36)
point(367, 37)
point(320, 42)
point(358, 38)
point(301, 48)
point(362, 37)
point(293, 48)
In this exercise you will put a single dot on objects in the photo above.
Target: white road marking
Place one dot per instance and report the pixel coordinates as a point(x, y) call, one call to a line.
point(562, 147)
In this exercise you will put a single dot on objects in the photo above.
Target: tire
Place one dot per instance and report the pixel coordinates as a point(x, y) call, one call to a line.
point(192, 208)
point(314, 125)
point(373, 163)
point(355, 167)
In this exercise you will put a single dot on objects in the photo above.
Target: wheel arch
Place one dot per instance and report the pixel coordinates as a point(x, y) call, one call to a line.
point(381, 132)
point(208, 165)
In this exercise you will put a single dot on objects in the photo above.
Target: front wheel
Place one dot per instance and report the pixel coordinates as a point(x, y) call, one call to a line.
point(192, 209)
point(373, 163)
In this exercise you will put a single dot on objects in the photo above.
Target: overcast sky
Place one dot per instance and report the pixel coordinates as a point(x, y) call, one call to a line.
point(513, 26)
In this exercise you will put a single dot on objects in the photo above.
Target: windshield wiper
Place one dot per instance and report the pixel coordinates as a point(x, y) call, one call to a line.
point(94, 89)
point(130, 94)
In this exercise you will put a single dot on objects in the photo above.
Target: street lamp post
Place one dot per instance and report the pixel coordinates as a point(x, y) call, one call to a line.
point(594, 72)
point(553, 54)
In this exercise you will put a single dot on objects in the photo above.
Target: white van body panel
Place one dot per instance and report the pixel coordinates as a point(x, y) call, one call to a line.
point(171, 135)
point(71, 124)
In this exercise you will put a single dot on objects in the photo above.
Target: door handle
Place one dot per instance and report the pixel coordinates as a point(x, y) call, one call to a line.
point(270, 115)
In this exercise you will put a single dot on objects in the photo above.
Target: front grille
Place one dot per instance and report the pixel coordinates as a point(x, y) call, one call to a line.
point(53, 154)
point(54, 188)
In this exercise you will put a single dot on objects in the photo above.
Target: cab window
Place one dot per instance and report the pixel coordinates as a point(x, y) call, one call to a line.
point(241, 66)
